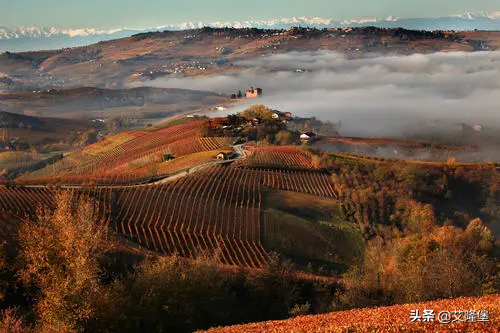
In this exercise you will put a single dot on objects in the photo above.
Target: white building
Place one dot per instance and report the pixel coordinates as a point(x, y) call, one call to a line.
point(308, 136)
point(304, 136)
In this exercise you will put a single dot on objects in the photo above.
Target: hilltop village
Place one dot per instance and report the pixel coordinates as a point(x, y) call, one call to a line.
point(261, 124)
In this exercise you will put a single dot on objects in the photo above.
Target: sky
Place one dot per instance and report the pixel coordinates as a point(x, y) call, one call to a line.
point(109, 14)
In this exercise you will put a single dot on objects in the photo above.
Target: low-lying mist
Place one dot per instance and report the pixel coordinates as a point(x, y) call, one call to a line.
point(380, 96)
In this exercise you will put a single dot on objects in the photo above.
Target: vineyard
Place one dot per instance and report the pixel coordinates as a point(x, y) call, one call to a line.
point(184, 147)
point(21, 201)
point(216, 210)
point(127, 152)
point(278, 157)
point(110, 142)
point(165, 190)
point(315, 183)
point(386, 319)
point(111, 152)
point(16, 157)
point(184, 162)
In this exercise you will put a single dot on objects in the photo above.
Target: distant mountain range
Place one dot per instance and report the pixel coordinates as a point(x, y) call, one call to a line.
point(40, 38)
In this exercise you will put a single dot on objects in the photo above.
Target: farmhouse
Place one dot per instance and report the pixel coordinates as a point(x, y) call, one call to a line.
point(307, 137)
point(222, 156)
point(285, 116)
point(253, 92)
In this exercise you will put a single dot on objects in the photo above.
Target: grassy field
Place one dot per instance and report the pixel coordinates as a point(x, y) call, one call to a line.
point(309, 229)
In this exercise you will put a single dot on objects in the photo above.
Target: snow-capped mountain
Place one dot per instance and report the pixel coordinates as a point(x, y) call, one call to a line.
point(36, 38)
point(43, 32)
point(472, 16)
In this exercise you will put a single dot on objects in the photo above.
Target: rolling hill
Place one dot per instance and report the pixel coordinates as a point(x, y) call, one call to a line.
point(38, 131)
point(316, 231)
point(29, 143)
point(206, 51)
point(166, 189)
point(91, 103)
point(44, 38)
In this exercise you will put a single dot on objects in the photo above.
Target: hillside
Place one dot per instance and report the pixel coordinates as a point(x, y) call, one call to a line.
point(468, 147)
point(89, 103)
point(206, 51)
point(28, 143)
point(44, 38)
point(384, 319)
point(251, 166)
point(257, 216)
point(38, 131)
point(11, 120)
point(260, 199)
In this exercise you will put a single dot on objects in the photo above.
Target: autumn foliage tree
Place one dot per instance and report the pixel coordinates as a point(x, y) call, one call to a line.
point(60, 253)
point(442, 262)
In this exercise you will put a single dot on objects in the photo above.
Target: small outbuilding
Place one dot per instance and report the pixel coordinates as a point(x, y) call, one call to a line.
point(168, 157)
point(222, 156)
point(308, 136)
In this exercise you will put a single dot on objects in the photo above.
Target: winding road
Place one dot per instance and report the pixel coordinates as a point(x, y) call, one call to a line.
point(238, 152)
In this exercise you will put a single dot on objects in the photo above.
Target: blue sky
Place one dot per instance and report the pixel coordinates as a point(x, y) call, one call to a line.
point(106, 14)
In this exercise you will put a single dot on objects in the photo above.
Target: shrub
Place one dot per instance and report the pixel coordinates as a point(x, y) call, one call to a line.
point(12, 322)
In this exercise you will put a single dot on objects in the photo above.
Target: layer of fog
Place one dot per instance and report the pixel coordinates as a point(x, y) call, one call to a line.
point(383, 96)
point(465, 154)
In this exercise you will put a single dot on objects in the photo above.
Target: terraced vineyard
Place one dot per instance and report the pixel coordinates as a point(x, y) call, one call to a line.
point(216, 210)
point(130, 151)
point(190, 145)
point(289, 157)
point(309, 182)
point(182, 163)
point(21, 201)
